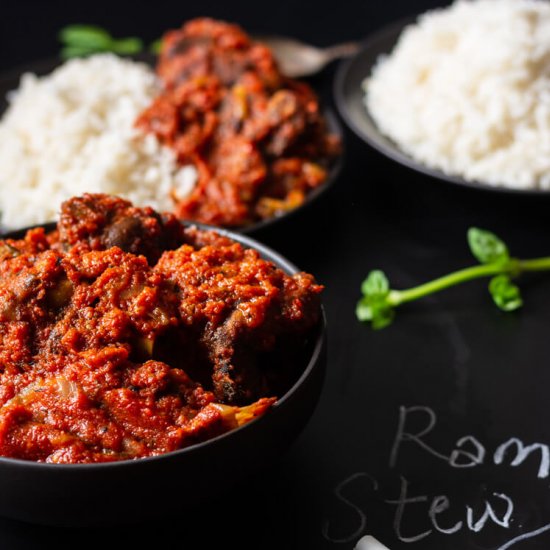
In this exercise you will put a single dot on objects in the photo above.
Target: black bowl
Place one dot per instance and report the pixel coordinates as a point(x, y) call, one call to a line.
point(334, 127)
point(78, 495)
point(10, 81)
point(349, 98)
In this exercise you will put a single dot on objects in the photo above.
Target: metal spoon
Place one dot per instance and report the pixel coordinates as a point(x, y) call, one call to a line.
point(297, 59)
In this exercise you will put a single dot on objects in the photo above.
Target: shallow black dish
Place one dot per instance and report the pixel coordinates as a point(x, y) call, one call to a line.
point(335, 128)
point(137, 490)
point(349, 98)
point(10, 81)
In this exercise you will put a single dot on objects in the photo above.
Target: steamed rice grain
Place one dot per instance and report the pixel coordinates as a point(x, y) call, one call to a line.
point(467, 90)
point(73, 132)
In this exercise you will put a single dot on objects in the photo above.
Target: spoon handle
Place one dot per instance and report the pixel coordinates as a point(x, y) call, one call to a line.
point(342, 50)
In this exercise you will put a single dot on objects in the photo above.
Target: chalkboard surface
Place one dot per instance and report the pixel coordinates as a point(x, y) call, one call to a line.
point(432, 434)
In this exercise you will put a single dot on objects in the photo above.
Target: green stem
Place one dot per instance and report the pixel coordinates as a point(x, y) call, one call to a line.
point(537, 264)
point(512, 267)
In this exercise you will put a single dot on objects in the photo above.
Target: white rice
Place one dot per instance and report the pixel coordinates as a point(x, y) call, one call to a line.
point(73, 131)
point(467, 90)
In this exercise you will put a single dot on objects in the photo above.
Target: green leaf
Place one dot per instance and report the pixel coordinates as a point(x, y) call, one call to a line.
point(127, 46)
point(75, 51)
point(374, 305)
point(376, 284)
point(363, 310)
point(505, 293)
point(81, 40)
point(375, 310)
point(155, 46)
point(86, 36)
point(378, 313)
point(486, 246)
point(383, 318)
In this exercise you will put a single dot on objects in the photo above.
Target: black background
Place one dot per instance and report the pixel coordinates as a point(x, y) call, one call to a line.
point(483, 372)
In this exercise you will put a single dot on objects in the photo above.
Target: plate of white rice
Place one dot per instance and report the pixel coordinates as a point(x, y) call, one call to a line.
point(461, 93)
point(72, 131)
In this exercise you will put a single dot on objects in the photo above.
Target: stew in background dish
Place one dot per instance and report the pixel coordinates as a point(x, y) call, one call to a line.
point(257, 138)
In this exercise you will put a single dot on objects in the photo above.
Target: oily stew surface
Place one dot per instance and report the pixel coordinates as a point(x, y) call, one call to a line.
point(257, 138)
point(125, 335)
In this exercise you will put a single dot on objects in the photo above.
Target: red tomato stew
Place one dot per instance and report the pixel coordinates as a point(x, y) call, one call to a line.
point(257, 138)
point(124, 334)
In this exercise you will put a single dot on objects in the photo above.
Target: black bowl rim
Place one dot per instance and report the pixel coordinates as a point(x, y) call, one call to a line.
point(381, 143)
point(333, 175)
point(10, 80)
point(320, 335)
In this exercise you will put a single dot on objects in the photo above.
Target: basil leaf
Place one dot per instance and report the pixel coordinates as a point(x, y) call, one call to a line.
point(376, 284)
point(76, 51)
point(81, 40)
point(486, 246)
point(505, 293)
point(155, 46)
point(363, 310)
point(127, 46)
point(86, 36)
point(376, 310)
point(382, 318)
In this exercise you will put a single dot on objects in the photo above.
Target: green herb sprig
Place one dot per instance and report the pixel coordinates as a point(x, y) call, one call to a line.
point(84, 40)
point(379, 301)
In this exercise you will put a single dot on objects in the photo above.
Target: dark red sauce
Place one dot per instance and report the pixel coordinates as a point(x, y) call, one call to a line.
point(125, 335)
point(258, 138)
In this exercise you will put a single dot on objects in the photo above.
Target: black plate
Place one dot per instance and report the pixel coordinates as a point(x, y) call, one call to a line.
point(349, 97)
point(334, 127)
point(10, 81)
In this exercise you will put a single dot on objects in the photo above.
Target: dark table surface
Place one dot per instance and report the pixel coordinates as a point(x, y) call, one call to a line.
point(453, 363)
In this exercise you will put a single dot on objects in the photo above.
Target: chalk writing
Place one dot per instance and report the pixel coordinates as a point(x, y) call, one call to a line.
point(468, 452)
point(402, 435)
point(361, 517)
point(403, 500)
point(525, 536)
point(473, 459)
point(522, 453)
point(490, 513)
point(460, 457)
point(439, 504)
